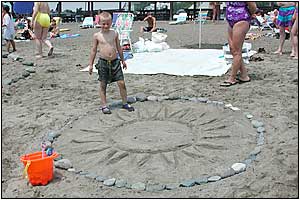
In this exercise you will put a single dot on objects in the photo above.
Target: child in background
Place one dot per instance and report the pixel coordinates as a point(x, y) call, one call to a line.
point(109, 66)
point(9, 28)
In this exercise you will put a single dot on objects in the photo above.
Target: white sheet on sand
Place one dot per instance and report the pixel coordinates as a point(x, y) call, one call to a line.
point(209, 62)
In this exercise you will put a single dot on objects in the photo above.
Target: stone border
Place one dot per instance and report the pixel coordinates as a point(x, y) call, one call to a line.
point(236, 168)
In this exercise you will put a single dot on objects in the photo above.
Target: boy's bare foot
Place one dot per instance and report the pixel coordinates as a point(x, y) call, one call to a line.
point(50, 51)
point(278, 52)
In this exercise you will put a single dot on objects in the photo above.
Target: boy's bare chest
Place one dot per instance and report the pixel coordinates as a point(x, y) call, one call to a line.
point(106, 39)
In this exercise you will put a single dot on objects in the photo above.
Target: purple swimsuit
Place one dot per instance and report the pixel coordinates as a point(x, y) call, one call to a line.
point(237, 11)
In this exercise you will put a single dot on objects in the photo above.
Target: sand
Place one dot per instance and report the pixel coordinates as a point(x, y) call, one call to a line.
point(58, 94)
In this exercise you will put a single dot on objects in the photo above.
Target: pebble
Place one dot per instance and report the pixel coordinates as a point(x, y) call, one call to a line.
point(131, 99)
point(25, 74)
point(7, 81)
point(260, 141)
point(71, 170)
point(141, 97)
point(229, 172)
point(171, 186)
point(201, 181)
point(138, 186)
point(261, 129)
point(162, 98)
point(120, 183)
point(256, 151)
point(228, 105)
point(234, 108)
point(202, 99)
point(14, 80)
point(30, 70)
point(91, 175)
point(256, 123)
point(238, 167)
point(63, 164)
point(116, 103)
point(83, 173)
point(252, 157)
point(109, 182)
point(249, 116)
point(100, 178)
point(247, 162)
point(187, 183)
point(53, 134)
point(152, 98)
point(58, 158)
point(128, 185)
point(194, 99)
point(214, 178)
point(28, 63)
point(155, 187)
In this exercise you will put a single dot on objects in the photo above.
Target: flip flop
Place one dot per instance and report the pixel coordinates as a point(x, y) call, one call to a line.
point(228, 84)
point(242, 81)
point(128, 107)
point(106, 110)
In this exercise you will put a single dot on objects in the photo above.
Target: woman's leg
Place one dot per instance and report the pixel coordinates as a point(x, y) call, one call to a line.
point(281, 40)
point(294, 32)
point(38, 39)
point(239, 31)
point(47, 42)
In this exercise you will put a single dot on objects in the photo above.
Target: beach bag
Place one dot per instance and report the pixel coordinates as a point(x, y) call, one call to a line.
point(158, 37)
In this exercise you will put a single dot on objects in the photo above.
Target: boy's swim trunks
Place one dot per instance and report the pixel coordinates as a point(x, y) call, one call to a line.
point(109, 71)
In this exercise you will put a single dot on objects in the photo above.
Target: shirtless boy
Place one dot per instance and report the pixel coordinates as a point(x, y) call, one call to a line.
point(151, 24)
point(109, 66)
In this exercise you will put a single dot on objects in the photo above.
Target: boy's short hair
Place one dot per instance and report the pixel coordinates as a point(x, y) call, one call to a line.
point(105, 16)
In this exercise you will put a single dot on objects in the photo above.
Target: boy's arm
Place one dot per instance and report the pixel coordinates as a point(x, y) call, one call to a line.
point(120, 51)
point(93, 53)
point(154, 24)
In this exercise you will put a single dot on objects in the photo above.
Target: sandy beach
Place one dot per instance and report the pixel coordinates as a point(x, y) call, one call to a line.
point(58, 97)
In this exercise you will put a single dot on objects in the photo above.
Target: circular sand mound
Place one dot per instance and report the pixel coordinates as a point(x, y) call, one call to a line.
point(163, 142)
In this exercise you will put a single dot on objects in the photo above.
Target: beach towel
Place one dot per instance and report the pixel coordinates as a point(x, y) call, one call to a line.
point(63, 36)
point(207, 62)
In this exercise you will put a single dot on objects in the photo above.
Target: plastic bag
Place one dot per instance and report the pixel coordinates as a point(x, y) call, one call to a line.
point(159, 37)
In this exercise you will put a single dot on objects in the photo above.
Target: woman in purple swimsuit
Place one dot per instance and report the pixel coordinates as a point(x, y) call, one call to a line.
point(238, 15)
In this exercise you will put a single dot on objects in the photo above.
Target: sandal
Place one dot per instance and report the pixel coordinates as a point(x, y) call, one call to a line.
point(50, 51)
point(106, 110)
point(128, 107)
point(228, 84)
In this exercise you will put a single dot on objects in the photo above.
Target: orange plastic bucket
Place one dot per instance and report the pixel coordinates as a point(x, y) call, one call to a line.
point(38, 169)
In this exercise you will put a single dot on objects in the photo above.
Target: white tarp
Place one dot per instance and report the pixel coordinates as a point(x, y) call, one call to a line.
point(209, 62)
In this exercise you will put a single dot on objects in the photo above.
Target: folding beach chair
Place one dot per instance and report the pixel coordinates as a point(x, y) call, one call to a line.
point(245, 53)
point(123, 26)
point(203, 16)
point(87, 23)
point(181, 19)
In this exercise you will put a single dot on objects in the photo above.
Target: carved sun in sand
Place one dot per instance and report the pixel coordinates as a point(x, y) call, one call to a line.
point(163, 142)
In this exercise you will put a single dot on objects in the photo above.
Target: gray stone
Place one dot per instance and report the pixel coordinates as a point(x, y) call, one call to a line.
point(152, 98)
point(30, 70)
point(117, 103)
point(14, 80)
point(261, 129)
point(256, 151)
point(53, 134)
point(214, 178)
point(202, 99)
point(220, 103)
point(100, 178)
point(256, 123)
point(138, 186)
point(91, 175)
point(247, 162)
point(162, 98)
point(141, 97)
point(229, 172)
point(120, 183)
point(185, 98)
point(63, 164)
point(83, 173)
point(131, 99)
point(188, 183)
point(194, 99)
point(128, 185)
point(260, 141)
point(71, 170)
point(5, 55)
point(249, 116)
point(252, 157)
point(201, 180)
point(208, 101)
point(171, 186)
point(239, 167)
point(7, 81)
point(155, 187)
point(173, 97)
point(58, 158)
point(28, 63)
point(109, 182)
